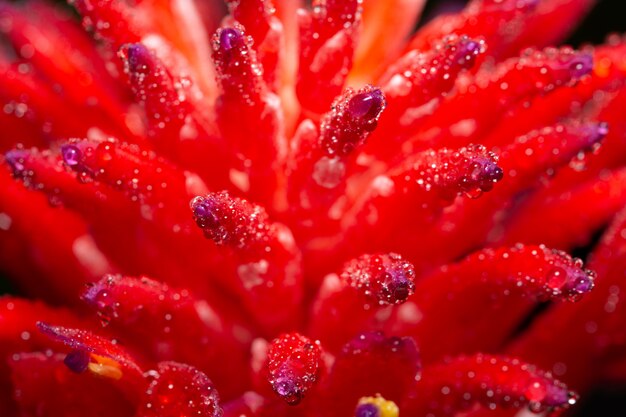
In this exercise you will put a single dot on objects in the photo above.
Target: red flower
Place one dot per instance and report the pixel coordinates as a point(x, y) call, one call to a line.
point(275, 210)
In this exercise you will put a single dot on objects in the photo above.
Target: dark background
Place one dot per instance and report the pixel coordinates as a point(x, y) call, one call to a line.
point(606, 17)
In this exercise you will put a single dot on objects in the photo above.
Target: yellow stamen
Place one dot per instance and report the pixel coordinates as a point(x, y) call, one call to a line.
point(386, 408)
point(105, 367)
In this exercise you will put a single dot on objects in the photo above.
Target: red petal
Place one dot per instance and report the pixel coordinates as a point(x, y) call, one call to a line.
point(154, 318)
point(471, 112)
point(569, 226)
point(368, 365)
point(107, 358)
point(179, 389)
point(60, 51)
point(257, 16)
point(481, 300)
point(327, 42)
point(550, 23)
point(19, 333)
point(491, 381)
point(54, 253)
point(386, 215)
point(377, 44)
point(498, 22)
point(248, 115)
point(43, 385)
point(414, 86)
point(294, 364)
point(112, 20)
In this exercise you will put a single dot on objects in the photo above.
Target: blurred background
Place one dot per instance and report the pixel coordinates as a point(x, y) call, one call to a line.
point(606, 17)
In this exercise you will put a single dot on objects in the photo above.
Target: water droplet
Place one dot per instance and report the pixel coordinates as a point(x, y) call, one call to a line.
point(475, 193)
point(367, 105)
point(71, 155)
point(536, 391)
point(556, 278)
point(288, 389)
point(329, 172)
point(230, 38)
point(104, 153)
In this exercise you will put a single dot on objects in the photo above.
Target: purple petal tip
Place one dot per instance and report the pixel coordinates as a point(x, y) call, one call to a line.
point(77, 361)
point(581, 65)
point(367, 105)
point(603, 129)
point(366, 410)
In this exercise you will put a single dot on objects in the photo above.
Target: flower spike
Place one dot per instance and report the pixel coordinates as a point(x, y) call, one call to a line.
point(300, 181)
point(118, 199)
point(376, 406)
point(321, 157)
point(140, 174)
point(179, 389)
point(253, 15)
point(580, 100)
point(574, 331)
point(371, 363)
point(526, 163)
point(231, 221)
point(106, 359)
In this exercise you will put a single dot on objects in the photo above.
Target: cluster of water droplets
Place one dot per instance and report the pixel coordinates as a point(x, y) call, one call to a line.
point(353, 116)
point(384, 279)
point(230, 221)
point(294, 364)
point(471, 171)
point(238, 70)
